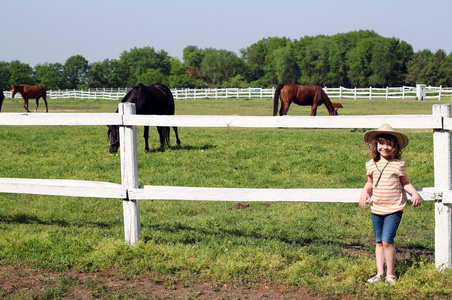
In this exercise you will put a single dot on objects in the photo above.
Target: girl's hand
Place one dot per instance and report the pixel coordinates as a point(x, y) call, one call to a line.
point(416, 199)
point(363, 200)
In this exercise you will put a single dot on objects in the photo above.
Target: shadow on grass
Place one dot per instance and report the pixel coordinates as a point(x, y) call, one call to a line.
point(22, 218)
point(407, 257)
point(205, 147)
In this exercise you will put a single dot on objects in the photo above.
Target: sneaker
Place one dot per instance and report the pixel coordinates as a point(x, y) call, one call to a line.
point(391, 279)
point(375, 279)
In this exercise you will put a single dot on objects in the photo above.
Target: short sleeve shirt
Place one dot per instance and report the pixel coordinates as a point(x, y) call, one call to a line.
point(387, 196)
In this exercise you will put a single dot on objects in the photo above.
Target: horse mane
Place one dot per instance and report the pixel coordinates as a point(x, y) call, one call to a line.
point(327, 101)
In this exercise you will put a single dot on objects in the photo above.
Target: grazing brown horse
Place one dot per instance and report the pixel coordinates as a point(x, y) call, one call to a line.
point(155, 99)
point(30, 92)
point(302, 95)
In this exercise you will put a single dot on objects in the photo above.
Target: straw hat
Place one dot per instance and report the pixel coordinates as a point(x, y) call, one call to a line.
point(370, 135)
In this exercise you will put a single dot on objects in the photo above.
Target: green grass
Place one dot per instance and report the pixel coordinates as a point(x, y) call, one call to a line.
point(326, 247)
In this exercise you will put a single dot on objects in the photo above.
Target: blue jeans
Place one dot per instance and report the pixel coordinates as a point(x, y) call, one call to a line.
point(385, 227)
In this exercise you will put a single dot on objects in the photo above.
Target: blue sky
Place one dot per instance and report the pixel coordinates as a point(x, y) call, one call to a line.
point(36, 32)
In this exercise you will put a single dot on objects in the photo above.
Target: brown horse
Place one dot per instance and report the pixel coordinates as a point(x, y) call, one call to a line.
point(302, 95)
point(30, 92)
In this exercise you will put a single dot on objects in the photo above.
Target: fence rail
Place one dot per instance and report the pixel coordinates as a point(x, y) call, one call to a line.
point(405, 92)
point(440, 121)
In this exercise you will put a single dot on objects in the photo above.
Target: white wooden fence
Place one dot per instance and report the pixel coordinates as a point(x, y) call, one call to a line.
point(131, 193)
point(405, 92)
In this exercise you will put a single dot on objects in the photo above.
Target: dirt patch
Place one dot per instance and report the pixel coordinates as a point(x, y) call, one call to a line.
point(239, 205)
point(18, 283)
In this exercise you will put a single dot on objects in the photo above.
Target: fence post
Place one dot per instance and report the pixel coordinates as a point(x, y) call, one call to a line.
point(443, 182)
point(129, 175)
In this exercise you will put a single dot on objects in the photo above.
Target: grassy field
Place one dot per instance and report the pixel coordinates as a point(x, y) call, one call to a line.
point(73, 247)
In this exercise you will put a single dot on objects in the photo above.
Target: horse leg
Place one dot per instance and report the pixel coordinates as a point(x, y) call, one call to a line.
point(284, 108)
point(37, 104)
point(314, 109)
point(177, 137)
point(45, 101)
point(146, 138)
point(161, 136)
point(26, 104)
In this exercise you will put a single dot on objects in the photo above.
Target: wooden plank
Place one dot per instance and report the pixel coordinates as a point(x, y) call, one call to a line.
point(62, 187)
point(396, 121)
point(447, 197)
point(447, 124)
point(73, 119)
point(152, 192)
point(129, 175)
point(443, 180)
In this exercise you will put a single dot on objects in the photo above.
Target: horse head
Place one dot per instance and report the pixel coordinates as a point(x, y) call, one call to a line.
point(336, 107)
point(13, 91)
point(113, 135)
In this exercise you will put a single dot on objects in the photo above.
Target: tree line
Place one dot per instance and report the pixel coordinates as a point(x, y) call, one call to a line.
point(354, 59)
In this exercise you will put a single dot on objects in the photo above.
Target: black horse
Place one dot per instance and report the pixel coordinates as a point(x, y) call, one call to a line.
point(155, 99)
point(1, 97)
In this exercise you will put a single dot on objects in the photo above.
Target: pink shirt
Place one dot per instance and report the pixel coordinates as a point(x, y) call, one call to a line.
point(387, 196)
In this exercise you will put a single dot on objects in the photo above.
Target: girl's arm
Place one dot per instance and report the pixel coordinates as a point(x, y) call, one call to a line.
point(409, 188)
point(367, 189)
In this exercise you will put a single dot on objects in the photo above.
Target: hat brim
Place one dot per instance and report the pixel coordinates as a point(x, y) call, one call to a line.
point(370, 135)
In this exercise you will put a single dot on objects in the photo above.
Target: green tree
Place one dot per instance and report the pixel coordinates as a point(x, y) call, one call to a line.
point(341, 44)
point(286, 68)
point(261, 61)
point(139, 61)
point(153, 76)
point(4, 75)
point(179, 77)
point(49, 75)
point(389, 59)
point(218, 66)
point(109, 73)
point(432, 72)
point(359, 61)
point(314, 60)
point(75, 72)
point(193, 56)
point(416, 67)
point(20, 73)
point(446, 71)
point(237, 82)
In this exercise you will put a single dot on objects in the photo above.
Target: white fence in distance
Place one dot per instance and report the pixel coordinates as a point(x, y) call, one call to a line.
point(405, 92)
point(440, 121)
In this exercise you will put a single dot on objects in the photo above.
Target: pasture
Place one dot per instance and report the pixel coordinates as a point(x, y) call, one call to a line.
point(206, 250)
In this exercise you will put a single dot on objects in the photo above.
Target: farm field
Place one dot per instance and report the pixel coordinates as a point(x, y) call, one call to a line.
point(68, 247)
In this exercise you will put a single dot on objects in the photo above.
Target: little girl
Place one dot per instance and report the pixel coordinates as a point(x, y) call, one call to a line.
point(386, 177)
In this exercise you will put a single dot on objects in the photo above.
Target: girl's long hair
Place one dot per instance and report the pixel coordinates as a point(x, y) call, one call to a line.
point(387, 139)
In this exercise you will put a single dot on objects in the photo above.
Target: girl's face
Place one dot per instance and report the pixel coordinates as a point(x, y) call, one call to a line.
point(385, 148)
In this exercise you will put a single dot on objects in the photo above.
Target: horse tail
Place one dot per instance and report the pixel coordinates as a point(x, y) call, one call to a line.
point(166, 136)
point(327, 102)
point(171, 110)
point(276, 98)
